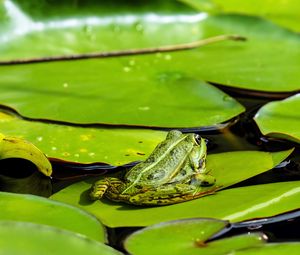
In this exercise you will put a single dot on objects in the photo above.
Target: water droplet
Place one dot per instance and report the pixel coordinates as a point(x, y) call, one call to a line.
point(54, 148)
point(126, 69)
point(116, 28)
point(76, 155)
point(169, 76)
point(88, 29)
point(91, 154)
point(195, 30)
point(131, 62)
point(66, 154)
point(40, 138)
point(65, 85)
point(83, 150)
point(144, 108)
point(227, 98)
point(85, 137)
point(139, 27)
point(168, 57)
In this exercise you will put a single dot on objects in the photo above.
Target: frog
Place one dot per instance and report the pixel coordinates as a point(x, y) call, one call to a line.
point(174, 172)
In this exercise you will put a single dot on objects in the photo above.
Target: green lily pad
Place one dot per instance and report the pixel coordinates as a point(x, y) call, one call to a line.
point(13, 147)
point(187, 102)
point(29, 208)
point(284, 13)
point(229, 168)
point(188, 237)
point(250, 65)
point(31, 239)
point(170, 100)
point(273, 248)
point(89, 26)
point(280, 119)
point(114, 146)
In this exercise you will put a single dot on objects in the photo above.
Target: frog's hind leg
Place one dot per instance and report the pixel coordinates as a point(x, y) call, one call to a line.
point(164, 195)
point(170, 194)
point(100, 187)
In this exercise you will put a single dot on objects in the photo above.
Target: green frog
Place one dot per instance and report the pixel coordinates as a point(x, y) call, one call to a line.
point(174, 172)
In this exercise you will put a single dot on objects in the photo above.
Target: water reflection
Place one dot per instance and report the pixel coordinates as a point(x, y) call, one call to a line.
point(22, 176)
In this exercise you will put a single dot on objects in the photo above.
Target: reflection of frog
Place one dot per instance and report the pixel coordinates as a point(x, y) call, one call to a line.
point(173, 173)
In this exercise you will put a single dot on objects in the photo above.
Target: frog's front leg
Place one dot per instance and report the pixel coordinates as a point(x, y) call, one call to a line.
point(203, 180)
point(101, 186)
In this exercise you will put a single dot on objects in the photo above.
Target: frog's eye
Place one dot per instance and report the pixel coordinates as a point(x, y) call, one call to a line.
point(198, 139)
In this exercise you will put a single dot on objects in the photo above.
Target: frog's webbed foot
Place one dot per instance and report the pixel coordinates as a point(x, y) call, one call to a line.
point(100, 187)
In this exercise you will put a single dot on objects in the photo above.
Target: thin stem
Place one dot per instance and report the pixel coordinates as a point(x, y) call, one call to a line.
point(129, 52)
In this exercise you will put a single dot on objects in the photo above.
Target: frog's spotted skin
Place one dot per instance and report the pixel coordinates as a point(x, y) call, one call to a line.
point(174, 172)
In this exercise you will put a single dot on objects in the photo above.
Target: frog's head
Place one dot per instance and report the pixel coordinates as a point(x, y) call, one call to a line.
point(198, 154)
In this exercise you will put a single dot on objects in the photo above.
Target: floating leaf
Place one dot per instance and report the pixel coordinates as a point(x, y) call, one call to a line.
point(237, 204)
point(280, 119)
point(114, 146)
point(13, 147)
point(20, 238)
point(273, 248)
point(29, 208)
point(89, 26)
point(188, 237)
point(249, 65)
point(165, 100)
point(284, 13)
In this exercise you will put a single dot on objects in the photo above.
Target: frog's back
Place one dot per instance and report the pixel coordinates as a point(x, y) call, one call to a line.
point(164, 161)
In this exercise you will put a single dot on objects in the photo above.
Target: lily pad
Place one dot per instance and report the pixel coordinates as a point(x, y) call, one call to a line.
point(273, 248)
point(280, 119)
point(66, 27)
point(114, 146)
point(249, 65)
point(13, 147)
point(165, 100)
point(29, 208)
point(33, 239)
point(188, 237)
point(237, 204)
point(284, 13)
